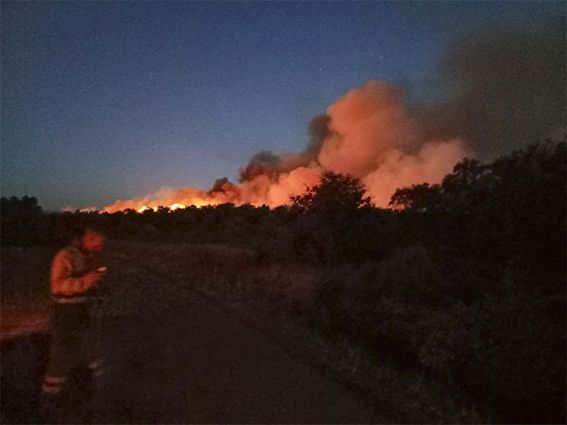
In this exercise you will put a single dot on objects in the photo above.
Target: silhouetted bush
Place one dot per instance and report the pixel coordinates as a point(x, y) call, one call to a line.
point(503, 352)
point(20, 221)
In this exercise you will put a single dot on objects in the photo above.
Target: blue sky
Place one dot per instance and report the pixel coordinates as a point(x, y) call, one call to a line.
point(108, 100)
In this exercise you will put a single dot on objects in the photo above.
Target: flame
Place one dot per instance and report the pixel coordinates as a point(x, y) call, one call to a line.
point(173, 199)
point(176, 205)
point(172, 207)
point(371, 135)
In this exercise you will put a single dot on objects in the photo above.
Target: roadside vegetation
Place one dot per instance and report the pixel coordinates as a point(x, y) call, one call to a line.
point(462, 283)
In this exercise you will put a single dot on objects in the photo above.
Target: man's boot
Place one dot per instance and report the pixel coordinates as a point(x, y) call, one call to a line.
point(51, 408)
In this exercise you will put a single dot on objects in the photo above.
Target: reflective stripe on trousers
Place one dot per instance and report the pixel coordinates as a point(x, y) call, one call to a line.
point(98, 368)
point(52, 384)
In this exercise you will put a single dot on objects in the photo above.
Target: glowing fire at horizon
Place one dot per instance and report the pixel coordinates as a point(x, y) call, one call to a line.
point(369, 133)
point(172, 207)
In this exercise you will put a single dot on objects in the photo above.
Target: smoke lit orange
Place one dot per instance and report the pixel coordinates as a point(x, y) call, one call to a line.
point(370, 134)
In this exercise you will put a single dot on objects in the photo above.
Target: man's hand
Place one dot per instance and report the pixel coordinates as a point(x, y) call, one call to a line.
point(94, 278)
point(101, 273)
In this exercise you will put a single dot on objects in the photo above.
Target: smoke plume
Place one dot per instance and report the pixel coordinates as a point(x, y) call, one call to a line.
point(506, 89)
point(503, 90)
point(369, 133)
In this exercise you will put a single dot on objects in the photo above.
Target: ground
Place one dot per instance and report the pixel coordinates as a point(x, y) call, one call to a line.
point(189, 361)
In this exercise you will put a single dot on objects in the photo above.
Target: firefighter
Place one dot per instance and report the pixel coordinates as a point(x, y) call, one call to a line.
point(76, 276)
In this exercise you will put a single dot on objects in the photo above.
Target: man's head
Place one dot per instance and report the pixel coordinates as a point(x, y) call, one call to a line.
point(88, 238)
point(92, 241)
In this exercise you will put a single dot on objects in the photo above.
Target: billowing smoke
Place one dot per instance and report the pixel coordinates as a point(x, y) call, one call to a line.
point(373, 136)
point(369, 133)
point(504, 90)
point(266, 162)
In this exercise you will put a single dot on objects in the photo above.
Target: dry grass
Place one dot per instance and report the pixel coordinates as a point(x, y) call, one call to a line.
point(24, 305)
point(233, 273)
point(25, 271)
point(270, 295)
point(267, 294)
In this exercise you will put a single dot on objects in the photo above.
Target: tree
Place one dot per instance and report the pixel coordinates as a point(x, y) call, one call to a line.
point(20, 220)
point(418, 198)
point(329, 212)
point(336, 195)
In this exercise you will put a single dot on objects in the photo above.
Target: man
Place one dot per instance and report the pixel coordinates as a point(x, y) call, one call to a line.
point(76, 277)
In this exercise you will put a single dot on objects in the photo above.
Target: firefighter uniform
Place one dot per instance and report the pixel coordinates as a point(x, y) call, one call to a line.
point(73, 326)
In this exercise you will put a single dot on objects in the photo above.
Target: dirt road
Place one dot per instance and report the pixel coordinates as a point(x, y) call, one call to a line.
point(193, 363)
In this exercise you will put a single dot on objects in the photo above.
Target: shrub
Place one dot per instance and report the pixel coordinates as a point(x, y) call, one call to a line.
point(410, 274)
point(504, 352)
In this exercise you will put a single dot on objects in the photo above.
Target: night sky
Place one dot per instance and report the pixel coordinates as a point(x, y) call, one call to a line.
point(109, 100)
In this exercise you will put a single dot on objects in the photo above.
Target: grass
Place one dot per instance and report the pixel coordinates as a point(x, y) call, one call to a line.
point(279, 298)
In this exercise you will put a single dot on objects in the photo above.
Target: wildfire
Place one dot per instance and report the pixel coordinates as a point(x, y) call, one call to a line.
point(172, 207)
point(368, 133)
point(156, 205)
point(176, 206)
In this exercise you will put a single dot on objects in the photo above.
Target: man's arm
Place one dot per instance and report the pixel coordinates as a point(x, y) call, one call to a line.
point(62, 280)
